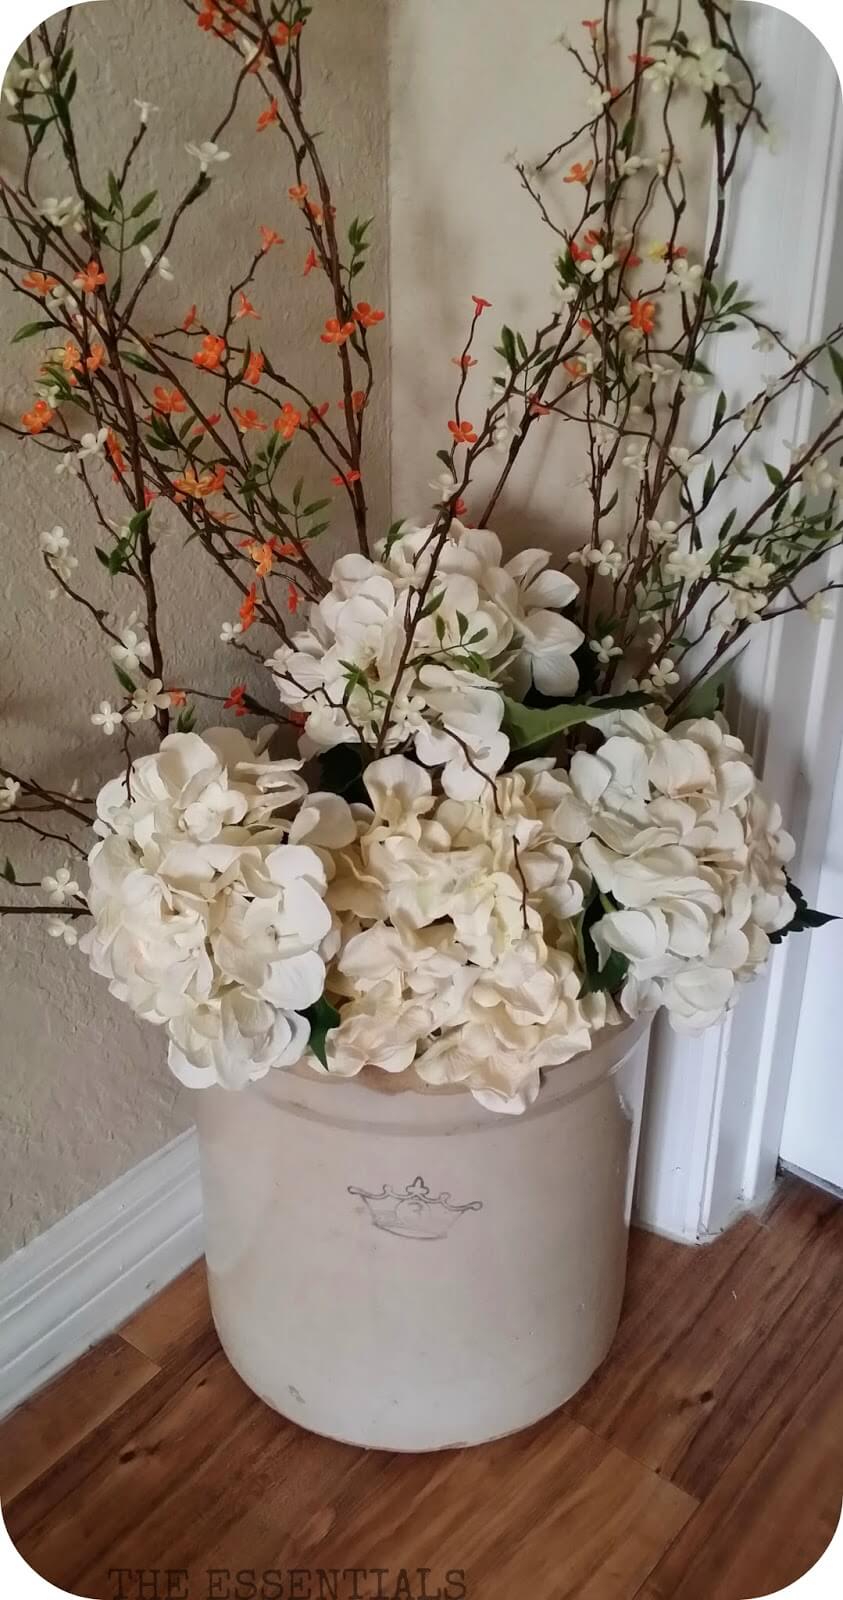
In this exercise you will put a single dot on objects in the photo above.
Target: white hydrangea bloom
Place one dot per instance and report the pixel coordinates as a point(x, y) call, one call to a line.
point(205, 919)
point(449, 909)
point(484, 625)
point(672, 826)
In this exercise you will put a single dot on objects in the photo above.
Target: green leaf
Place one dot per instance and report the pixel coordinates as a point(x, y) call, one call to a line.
point(707, 698)
point(114, 191)
point(117, 560)
point(323, 1018)
point(610, 977)
point(432, 604)
point(726, 526)
point(720, 409)
point(97, 207)
point(143, 204)
point(507, 347)
point(341, 772)
point(186, 720)
point(9, 872)
point(138, 361)
point(29, 330)
point(773, 473)
point(837, 362)
point(123, 679)
point(531, 727)
point(145, 230)
point(393, 534)
point(140, 520)
point(804, 919)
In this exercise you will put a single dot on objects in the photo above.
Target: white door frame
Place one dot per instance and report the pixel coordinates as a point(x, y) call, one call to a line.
point(716, 1105)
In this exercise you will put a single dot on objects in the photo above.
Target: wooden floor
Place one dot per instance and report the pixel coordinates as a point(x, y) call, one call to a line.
point(703, 1462)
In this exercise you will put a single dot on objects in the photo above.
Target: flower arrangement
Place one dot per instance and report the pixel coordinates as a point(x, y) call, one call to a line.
point(518, 813)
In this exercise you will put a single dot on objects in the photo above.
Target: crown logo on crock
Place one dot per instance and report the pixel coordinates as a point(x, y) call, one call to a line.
point(414, 1213)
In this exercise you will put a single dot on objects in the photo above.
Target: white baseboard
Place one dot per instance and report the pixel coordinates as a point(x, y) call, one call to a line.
point(83, 1277)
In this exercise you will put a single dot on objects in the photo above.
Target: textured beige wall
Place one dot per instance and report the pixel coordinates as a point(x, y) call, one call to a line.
point(472, 84)
point(85, 1092)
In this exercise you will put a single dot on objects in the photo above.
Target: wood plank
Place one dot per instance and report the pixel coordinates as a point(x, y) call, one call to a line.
point(550, 1514)
point(55, 1421)
point(177, 1316)
point(775, 1509)
point(38, 1504)
point(686, 1381)
point(169, 1478)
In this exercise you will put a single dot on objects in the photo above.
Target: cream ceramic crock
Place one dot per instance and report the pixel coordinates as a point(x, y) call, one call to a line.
point(404, 1270)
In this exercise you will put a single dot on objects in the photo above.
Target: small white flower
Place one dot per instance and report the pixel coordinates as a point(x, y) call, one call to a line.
point(132, 649)
point(60, 886)
point(693, 382)
point(684, 277)
point(9, 794)
point(66, 213)
point(704, 67)
point(755, 572)
point(67, 462)
point(445, 485)
point(661, 533)
point(230, 631)
point(44, 73)
point(165, 270)
point(207, 154)
point(688, 564)
point(816, 608)
point(635, 456)
point(663, 71)
point(107, 718)
point(680, 459)
point(146, 701)
point(598, 265)
point(145, 107)
point(63, 928)
point(46, 390)
point(565, 293)
point(608, 560)
point(605, 649)
point(63, 566)
point(765, 342)
point(818, 476)
point(252, 52)
point(745, 604)
point(597, 98)
point(628, 165)
point(92, 444)
point(662, 675)
point(751, 415)
point(15, 83)
point(54, 542)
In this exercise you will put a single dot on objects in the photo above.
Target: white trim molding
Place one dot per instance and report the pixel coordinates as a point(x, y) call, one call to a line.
point(716, 1105)
point(81, 1279)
